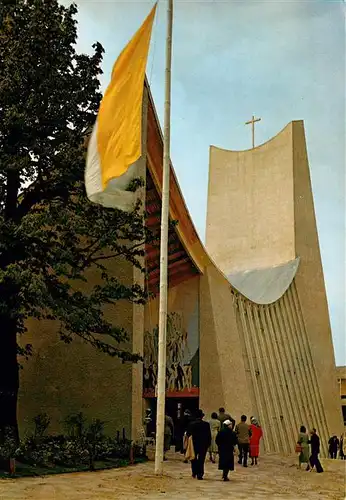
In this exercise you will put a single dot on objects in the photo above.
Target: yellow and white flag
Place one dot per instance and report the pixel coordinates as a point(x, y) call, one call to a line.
point(116, 141)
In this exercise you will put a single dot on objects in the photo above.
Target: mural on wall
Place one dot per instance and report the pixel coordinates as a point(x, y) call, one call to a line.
point(182, 357)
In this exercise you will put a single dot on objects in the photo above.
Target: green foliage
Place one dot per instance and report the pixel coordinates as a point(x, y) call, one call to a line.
point(53, 450)
point(51, 236)
point(41, 422)
point(83, 445)
point(9, 445)
point(75, 425)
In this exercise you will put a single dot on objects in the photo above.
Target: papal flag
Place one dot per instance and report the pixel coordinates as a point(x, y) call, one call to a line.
point(116, 140)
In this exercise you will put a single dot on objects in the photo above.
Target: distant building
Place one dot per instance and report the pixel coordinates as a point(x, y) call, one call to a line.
point(341, 374)
point(248, 322)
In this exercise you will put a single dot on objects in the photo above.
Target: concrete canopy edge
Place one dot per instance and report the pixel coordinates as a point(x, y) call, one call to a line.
point(267, 285)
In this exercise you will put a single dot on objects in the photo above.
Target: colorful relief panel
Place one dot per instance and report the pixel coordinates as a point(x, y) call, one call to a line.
point(182, 368)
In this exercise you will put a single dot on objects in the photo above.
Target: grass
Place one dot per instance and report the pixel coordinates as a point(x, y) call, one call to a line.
point(26, 470)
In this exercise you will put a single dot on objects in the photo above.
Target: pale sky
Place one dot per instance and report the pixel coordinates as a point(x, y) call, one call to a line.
point(281, 60)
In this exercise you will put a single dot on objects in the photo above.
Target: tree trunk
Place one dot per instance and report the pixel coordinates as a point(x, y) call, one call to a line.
point(9, 372)
point(9, 377)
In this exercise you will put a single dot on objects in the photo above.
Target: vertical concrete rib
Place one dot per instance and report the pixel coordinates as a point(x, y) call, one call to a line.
point(291, 386)
point(262, 415)
point(293, 364)
point(298, 365)
point(263, 389)
point(266, 377)
point(324, 429)
point(268, 342)
point(287, 417)
point(293, 297)
point(273, 367)
point(248, 370)
point(304, 364)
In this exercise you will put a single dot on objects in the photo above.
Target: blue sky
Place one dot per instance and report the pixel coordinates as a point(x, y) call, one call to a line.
point(282, 60)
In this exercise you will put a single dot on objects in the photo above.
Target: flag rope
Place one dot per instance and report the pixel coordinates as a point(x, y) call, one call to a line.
point(154, 37)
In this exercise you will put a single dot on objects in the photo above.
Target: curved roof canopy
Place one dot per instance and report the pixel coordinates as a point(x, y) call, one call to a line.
point(265, 286)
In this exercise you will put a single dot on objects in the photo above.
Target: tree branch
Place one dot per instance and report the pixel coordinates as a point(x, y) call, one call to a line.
point(106, 257)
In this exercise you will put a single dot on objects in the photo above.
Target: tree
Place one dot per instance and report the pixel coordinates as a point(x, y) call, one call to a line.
point(50, 235)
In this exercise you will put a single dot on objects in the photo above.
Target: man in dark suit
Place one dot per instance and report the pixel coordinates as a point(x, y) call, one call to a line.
point(201, 438)
point(315, 450)
point(223, 415)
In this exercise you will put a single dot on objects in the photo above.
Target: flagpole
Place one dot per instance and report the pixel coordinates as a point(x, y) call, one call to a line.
point(161, 378)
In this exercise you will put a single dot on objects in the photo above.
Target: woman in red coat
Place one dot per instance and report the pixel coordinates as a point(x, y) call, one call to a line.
point(255, 440)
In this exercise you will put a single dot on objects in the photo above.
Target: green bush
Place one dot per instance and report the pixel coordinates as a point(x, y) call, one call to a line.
point(82, 445)
point(41, 422)
point(9, 446)
point(70, 452)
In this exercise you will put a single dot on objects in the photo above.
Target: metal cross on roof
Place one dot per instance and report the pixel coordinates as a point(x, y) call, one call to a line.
point(252, 122)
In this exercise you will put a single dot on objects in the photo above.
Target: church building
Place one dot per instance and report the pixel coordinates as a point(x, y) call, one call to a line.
point(248, 324)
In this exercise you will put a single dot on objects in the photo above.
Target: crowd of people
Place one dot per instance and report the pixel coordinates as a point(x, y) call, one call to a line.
point(219, 436)
point(222, 437)
point(304, 443)
point(308, 448)
point(337, 446)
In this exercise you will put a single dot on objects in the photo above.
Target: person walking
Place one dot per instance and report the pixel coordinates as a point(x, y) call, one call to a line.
point(333, 447)
point(168, 434)
point(315, 450)
point(303, 447)
point(223, 415)
point(243, 433)
point(148, 422)
point(226, 441)
point(215, 427)
point(344, 446)
point(256, 436)
point(342, 452)
point(187, 419)
point(201, 439)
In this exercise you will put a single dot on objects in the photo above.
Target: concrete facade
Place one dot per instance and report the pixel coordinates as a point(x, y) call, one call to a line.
point(310, 281)
point(261, 218)
point(62, 379)
point(250, 196)
point(223, 370)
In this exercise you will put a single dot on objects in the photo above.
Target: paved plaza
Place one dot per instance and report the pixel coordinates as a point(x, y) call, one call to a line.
point(274, 478)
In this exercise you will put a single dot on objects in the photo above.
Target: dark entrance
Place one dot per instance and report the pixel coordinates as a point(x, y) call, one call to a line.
point(173, 405)
point(175, 408)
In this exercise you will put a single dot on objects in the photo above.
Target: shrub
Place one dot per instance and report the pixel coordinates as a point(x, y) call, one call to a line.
point(84, 444)
point(75, 425)
point(9, 447)
point(41, 422)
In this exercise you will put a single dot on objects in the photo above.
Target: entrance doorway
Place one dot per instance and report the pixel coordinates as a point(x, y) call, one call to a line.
point(175, 408)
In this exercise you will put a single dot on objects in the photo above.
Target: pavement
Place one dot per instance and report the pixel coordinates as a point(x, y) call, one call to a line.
point(275, 478)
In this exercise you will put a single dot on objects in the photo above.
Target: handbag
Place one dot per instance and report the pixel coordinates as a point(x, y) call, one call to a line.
point(299, 448)
point(190, 452)
point(185, 441)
